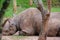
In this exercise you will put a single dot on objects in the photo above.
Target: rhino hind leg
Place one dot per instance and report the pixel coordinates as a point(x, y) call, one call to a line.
point(52, 32)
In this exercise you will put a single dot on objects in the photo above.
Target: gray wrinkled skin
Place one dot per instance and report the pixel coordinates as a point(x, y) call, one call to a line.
point(29, 22)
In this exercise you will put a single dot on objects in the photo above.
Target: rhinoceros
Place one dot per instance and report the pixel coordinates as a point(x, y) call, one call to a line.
point(29, 22)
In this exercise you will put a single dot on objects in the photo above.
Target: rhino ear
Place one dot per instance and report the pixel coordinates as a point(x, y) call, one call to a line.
point(9, 20)
point(4, 22)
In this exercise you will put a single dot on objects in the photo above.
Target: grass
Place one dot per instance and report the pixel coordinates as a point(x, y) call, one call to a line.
point(21, 6)
point(9, 11)
point(55, 9)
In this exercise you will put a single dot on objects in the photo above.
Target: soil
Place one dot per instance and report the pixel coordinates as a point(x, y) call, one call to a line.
point(26, 38)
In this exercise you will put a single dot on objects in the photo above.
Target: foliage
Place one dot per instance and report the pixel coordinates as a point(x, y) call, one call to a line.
point(24, 4)
point(55, 3)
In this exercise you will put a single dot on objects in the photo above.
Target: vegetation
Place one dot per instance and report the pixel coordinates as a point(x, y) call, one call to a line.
point(24, 4)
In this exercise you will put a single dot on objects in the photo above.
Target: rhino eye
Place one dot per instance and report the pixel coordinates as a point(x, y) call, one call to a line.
point(12, 24)
point(6, 31)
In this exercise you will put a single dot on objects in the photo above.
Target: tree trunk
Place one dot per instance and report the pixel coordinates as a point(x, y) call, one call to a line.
point(31, 2)
point(45, 18)
point(4, 7)
point(2, 11)
point(14, 7)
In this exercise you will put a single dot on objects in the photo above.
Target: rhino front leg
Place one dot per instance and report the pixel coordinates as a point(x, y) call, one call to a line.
point(17, 33)
point(22, 33)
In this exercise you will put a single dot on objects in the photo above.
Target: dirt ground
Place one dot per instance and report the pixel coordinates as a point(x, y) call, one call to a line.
point(26, 38)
